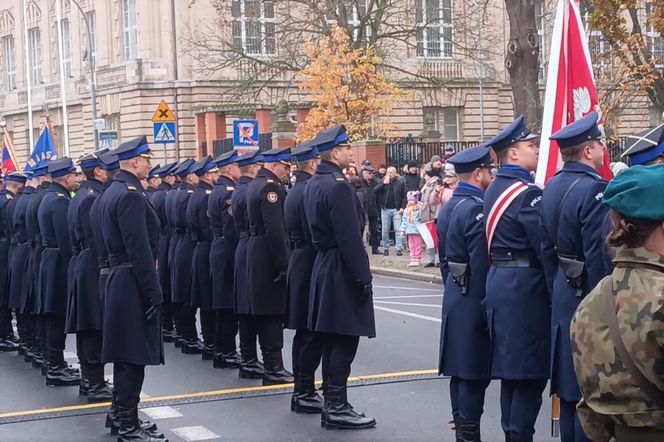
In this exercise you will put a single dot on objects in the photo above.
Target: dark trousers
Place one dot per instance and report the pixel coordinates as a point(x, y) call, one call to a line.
point(225, 330)
point(55, 339)
point(520, 403)
point(23, 327)
point(270, 332)
point(467, 397)
point(88, 348)
point(128, 382)
point(307, 353)
point(6, 329)
point(339, 352)
point(40, 332)
point(248, 334)
point(374, 235)
point(570, 426)
point(168, 321)
point(185, 321)
point(208, 319)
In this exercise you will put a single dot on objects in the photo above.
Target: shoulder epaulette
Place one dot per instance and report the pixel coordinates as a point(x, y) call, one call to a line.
point(341, 179)
point(132, 188)
point(270, 181)
point(8, 196)
point(60, 195)
point(208, 192)
point(190, 191)
point(229, 188)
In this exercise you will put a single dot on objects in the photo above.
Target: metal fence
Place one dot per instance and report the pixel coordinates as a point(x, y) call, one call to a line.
point(399, 153)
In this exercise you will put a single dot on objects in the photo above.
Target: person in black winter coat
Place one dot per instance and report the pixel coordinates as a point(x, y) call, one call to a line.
point(391, 197)
point(412, 178)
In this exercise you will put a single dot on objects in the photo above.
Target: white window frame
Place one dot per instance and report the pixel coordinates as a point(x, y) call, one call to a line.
point(355, 18)
point(9, 49)
point(266, 47)
point(92, 19)
point(66, 46)
point(34, 39)
point(129, 30)
point(426, 47)
point(540, 23)
point(653, 38)
point(445, 123)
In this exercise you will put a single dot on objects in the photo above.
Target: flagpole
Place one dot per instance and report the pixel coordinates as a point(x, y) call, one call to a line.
point(65, 121)
point(10, 145)
point(31, 136)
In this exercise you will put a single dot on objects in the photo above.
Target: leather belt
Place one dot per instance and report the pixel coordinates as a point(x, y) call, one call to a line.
point(525, 262)
point(49, 245)
point(324, 246)
point(257, 231)
point(244, 235)
point(102, 263)
point(636, 434)
point(117, 260)
point(296, 243)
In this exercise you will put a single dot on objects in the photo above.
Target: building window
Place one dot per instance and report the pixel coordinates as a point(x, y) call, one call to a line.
point(353, 14)
point(130, 30)
point(66, 46)
point(654, 40)
point(253, 27)
point(444, 120)
point(10, 62)
point(434, 22)
point(541, 29)
point(34, 45)
point(92, 20)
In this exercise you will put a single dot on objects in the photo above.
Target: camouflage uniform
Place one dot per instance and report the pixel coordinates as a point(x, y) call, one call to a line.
point(610, 396)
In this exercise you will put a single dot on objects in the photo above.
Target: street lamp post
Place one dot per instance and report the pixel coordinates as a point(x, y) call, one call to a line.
point(93, 73)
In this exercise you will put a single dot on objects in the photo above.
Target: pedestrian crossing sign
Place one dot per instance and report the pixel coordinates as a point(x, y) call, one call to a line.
point(164, 132)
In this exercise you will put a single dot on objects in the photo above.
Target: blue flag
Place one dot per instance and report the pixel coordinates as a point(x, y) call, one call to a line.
point(44, 150)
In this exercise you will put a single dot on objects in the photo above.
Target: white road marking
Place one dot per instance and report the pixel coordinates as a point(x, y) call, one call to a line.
point(155, 413)
point(408, 296)
point(195, 433)
point(413, 315)
point(410, 303)
point(394, 287)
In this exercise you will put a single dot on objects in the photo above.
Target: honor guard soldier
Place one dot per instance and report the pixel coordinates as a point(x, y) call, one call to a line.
point(132, 302)
point(222, 261)
point(267, 260)
point(340, 301)
point(572, 217)
point(153, 181)
point(300, 265)
point(158, 200)
point(465, 348)
point(181, 264)
point(52, 216)
point(517, 300)
point(84, 306)
point(250, 367)
point(39, 173)
point(198, 223)
point(14, 183)
point(646, 147)
point(177, 232)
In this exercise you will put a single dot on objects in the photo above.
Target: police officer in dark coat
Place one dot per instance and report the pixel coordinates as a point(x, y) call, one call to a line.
point(222, 261)
point(153, 180)
point(572, 217)
point(198, 224)
point(14, 182)
point(52, 288)
point(340, 300)
point(132, 301)
point(646, 147)
point(300, 265)
point(158, 200)
point(84, 306)
point(464, 337)
point(251, 367)
point(517, 300)
point(39, 173)
point(267, 260)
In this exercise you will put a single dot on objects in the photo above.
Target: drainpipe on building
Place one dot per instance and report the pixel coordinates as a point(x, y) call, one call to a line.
point(174, 46)
point(93, 74)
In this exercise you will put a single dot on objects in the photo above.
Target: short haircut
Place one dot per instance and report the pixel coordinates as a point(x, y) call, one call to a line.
point(89, 173)
point(572, 153)
point(326, 154)
point(502, 155)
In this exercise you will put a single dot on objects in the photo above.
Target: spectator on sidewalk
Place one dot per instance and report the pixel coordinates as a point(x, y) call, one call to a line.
point(409, 230)
point(371, 207)
point(379, 175)
point(361, 195)
point(391, 196)
point(431, 202)
point(448, 152)
point(412, 177)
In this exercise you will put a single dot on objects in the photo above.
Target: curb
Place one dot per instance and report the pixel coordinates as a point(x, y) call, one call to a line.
point(415, 276)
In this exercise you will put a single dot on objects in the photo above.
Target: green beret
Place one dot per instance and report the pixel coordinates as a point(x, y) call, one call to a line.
point(637, 193)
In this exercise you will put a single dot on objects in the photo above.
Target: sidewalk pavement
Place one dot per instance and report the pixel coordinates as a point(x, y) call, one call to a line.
point(397, 266)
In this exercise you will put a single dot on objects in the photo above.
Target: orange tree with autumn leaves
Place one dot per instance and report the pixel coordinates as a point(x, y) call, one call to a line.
point(347, 87)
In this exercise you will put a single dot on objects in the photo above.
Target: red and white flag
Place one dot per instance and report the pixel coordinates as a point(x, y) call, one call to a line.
point(570, 87)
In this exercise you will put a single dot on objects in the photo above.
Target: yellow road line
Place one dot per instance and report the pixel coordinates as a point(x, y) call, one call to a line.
point(209, 393)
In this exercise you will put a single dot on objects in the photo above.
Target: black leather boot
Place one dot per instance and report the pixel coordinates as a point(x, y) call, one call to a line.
point(467, 431)
point(250, 366)
point(84, 385)
point(338, 413)
point(168, 335)
point(130, 428)
point(305, 400)
point(7, 345)
point(58, 374)
point(99, 390)
point(208, 352)
point(275, 373)
point(226, 360)
point(192, 347)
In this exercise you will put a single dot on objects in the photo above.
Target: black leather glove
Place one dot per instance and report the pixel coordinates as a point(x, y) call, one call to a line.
point(153, 311)
point(367, 290)
point(283, 276)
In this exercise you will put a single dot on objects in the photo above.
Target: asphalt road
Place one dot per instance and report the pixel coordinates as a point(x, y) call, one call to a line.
point(407, 406)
